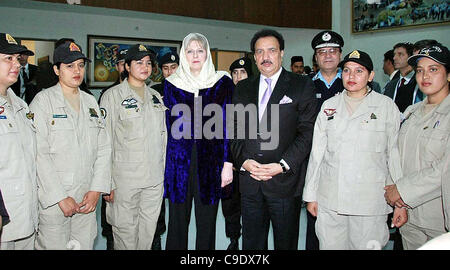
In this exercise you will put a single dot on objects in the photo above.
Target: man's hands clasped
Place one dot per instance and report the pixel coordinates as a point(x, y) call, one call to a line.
point(262, 172)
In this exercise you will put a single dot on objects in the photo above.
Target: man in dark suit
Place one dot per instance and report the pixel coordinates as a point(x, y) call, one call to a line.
point(403, 89)
point(25, 87)
point(271, 180)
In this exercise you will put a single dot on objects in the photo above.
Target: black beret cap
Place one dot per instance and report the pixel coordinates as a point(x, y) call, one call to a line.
point(244, 63)
point(121, 55)
point(170, 57)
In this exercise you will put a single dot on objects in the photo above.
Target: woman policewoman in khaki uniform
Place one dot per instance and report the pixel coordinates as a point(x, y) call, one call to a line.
point(425, 151)
point(354, 154)
point(135, 118)
point(73, 156)
point(18, 154)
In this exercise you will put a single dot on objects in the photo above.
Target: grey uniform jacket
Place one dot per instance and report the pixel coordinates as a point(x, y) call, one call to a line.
point(138, 133)
point(354, 157)
point(72, 157)
point(18, 168)
point(446, 191)
point(421, 185)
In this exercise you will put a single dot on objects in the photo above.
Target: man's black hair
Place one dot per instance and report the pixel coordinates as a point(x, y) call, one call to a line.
point(267, 33)
point(407, 45)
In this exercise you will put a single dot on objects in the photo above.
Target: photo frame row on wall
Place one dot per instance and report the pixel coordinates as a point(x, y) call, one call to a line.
point(383, 15)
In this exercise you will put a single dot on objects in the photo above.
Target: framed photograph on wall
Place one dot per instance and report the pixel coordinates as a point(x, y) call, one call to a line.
point(103, 52)
point(379, 15)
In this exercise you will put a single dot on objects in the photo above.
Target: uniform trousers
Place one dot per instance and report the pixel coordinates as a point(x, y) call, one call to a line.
point(180, 215)
point(56, 231)
point(414, 236)
point(350, 232)
point(133, 216)
point(26, 243)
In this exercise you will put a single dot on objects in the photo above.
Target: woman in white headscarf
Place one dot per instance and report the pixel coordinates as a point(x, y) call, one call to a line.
point(196, 154)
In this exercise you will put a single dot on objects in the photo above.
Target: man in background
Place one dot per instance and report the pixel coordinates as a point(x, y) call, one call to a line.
point(26, 86)
point(327, 46)
point(403, 90)
point(297, 65)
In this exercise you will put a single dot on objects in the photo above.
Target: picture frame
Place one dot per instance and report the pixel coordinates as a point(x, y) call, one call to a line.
point(383, 15)
point(103, 52)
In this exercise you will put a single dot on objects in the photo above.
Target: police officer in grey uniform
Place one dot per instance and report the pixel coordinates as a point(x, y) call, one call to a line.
point(18, 155)
point(327, 46)
point(354, 155)
point(135, 117)
point(424, 142)
point(73, 156)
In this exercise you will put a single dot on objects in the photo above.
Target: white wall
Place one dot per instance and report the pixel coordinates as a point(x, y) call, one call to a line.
point(44, 48)
point(377, 43)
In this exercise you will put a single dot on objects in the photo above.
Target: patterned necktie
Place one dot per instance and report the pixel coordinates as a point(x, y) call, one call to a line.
point(265, 98)
point(24, 75)
point(402, 82)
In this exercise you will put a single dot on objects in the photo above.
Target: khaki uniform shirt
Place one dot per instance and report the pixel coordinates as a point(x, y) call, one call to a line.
point(139, 138)
point(73, 155)
point(354, 157)
point(18, 168)
point(424, 146)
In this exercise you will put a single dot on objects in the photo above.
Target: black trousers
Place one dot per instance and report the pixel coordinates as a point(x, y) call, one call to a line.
point(161, 224)
point(312, 242)
point(231, 209)
point(180, 215)
point(106, 227)
point(259, 210)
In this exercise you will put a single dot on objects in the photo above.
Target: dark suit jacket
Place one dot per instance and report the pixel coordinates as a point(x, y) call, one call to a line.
point(30, 85)
point(389, 89)
point(407, 91)
point(296, 124)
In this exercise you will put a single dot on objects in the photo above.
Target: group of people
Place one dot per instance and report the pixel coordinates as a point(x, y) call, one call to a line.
point(351, 153)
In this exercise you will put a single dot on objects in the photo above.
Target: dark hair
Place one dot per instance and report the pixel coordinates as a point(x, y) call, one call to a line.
point(407, 45)
point(123, 75)
point(424, 43)
point(267, 33)
point(389, 55)
point(307, 69)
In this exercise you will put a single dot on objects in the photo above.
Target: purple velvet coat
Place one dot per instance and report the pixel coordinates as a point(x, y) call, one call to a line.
point(211, 154)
